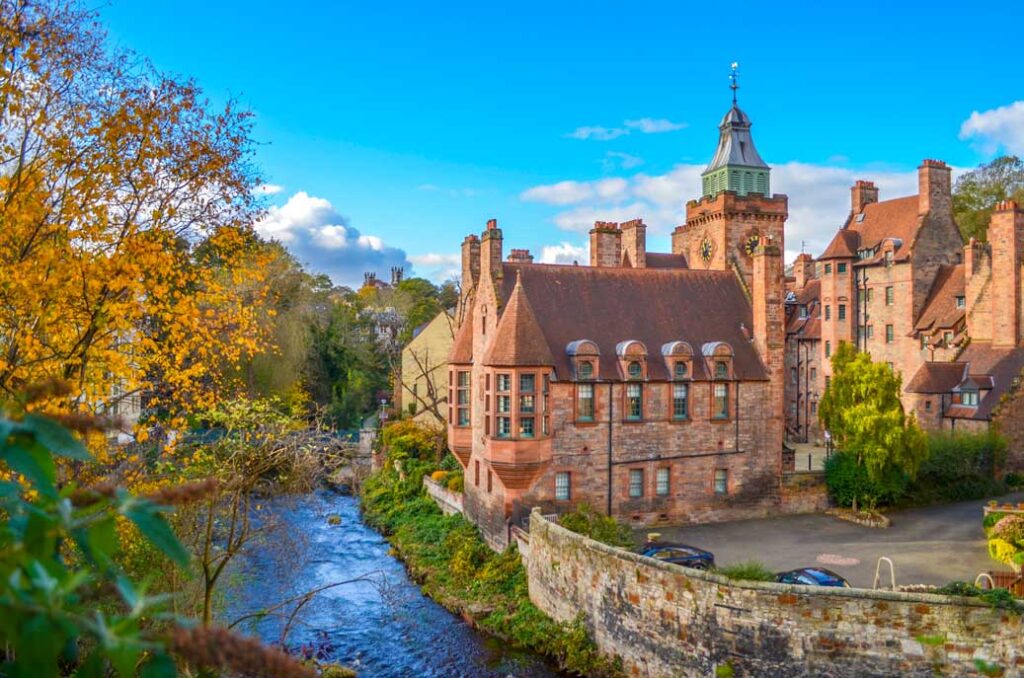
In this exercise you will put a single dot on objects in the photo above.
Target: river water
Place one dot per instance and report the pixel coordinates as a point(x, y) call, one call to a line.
point(380, 625)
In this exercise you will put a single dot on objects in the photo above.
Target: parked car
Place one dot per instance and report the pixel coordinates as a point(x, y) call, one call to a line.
point(680, 554)
point(812, 576)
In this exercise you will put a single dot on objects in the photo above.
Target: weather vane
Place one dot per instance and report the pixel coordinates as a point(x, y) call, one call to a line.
point(732, 77)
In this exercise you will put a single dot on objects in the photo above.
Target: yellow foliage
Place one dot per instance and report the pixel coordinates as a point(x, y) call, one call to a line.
point(438, 476)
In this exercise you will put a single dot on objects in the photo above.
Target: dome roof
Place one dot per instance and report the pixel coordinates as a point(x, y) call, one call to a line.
point(735, 117)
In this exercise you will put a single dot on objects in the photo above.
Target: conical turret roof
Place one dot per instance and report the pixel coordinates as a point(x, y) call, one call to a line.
point(518, 340)
point(735, 143)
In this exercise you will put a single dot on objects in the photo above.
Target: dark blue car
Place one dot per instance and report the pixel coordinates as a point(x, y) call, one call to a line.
point(679, 554)
point(812, 576)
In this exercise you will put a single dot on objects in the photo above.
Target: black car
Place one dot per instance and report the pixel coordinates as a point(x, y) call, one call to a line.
point(680, 554)
point(812, 576)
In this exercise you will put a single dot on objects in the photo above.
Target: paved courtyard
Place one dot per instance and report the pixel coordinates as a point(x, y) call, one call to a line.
point(933, 545)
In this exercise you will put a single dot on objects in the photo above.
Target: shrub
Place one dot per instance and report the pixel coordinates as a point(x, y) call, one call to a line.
point(751, 570)
point(599, 527)
point(1014, 481)
point(848, 481)
point(959, 467)
point(407, 439)
point(1004, 552)
point(456, 482)
point(439, 476)
point(1010, 528)
point(450, 463)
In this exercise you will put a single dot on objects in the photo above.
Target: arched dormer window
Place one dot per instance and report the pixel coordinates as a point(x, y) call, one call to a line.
point(632, 355)
point(718, 359)
point(585, 358)
point(678, 356)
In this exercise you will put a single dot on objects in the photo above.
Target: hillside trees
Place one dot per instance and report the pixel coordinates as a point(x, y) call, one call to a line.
point(977, 192)
point(119, 186)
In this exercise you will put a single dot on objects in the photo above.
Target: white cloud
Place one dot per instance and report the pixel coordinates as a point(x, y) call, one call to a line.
point(642, 125)
point(597, 133)
point(613, 159)
point(569, 192)
point(819, 199)
point(313, 230)
point(565, 253)
point(997, 128)
point(654, 125)
point(269, 189)
point(438, 267)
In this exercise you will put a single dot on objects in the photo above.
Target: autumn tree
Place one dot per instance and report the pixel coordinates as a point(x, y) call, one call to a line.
point(977, 192)
point(113, 176)
point(861, 409)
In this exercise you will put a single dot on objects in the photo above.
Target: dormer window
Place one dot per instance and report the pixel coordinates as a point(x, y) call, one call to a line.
point(803, 310)
point(969, 398)
point(961, 302)
point(635, 370)
point(682, 370)
point(678, 355)
point(585, 371)
point(721, 369)
point(718, 360)
point(888, 258)
point(632, 356)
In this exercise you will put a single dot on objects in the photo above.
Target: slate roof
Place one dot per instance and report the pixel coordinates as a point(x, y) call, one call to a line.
point(940, 310)
point(518, 339)
point(809, 327)
point(936, 377)
point(1002, 364)
point(653, 306)
point(665, 260)
point(462, 346)
point(735, 143)
point(897, 218)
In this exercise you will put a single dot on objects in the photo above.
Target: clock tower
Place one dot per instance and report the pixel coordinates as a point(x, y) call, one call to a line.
point(737, 212)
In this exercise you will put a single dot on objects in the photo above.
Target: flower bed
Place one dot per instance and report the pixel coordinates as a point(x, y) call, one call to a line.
point(864, 518)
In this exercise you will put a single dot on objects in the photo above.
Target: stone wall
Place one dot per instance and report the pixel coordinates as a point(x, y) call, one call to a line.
point(804, 492)
point(449, 502)
point(664, 620)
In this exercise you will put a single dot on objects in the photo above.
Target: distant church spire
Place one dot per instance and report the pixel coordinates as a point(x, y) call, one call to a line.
point(737, 166)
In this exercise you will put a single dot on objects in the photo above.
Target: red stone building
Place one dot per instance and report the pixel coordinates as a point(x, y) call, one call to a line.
point(647, 384)
point(897, 281)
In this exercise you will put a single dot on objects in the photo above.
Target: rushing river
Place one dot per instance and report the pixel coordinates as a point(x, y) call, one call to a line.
point(381, 624)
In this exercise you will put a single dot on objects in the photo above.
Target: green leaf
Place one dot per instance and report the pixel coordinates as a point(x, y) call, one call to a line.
point(159, 666)
point(54, 437)
point(155, 528)
point(35, 463)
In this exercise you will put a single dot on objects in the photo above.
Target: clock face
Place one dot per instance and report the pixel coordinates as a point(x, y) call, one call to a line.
point(753, 240)
point(707, 248)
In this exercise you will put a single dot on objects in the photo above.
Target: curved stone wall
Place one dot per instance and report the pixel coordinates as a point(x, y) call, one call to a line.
point(665, 620)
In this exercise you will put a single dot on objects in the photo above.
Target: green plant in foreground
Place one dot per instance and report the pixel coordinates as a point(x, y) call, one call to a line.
point(587, 521)
point(749, 571)
point(65, 604)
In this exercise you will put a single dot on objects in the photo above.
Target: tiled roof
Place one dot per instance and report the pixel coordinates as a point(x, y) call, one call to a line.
point(808, 327)
point(936, 377)
point(1002, 364)
point(462, 346)
point(653, 306)
point(897, 218)
point(518, 339)
point(940, 310)
point(665, 260)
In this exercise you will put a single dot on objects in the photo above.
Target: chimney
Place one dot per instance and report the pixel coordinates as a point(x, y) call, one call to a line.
point(803, 270)
point(634, 242)
point(863, 193)
point(470, 263)
point(767, 293)
point(1006, 238)
point(605, 244)
point(934, 188)
point(520, 256)
point(490, 250)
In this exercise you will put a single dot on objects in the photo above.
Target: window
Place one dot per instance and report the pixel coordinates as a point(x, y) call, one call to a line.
point(947, 339)
point(563, 486)
point(527, 382)
point(842, 311)
point(927, 406)
point(828, 312)
point(504, 404)
point(680, 406)
point(924, 341)
point(634, 402)
point(969, 398)
point(476, 474)
point(681, 370)
point(841, 268)
point(892, 367)
point(720, 406)
point(527, 404)
point(504, 382)
point(890, 334)
point(828, 349)
point(803, 310)
point(828, 268)
point(635, 370)
point(721, 481)
point(462, 398)
point(814, 374)
point(792, 375)
point(585, 402)
point(814, 407)
point(504, 427)
point(869, 331)
point(961, 302)
point(890, 296)
point(661, 482)
point(586, 370)
point(828, 382)
point(526, 427)
point(888, 258)
point(721, 370)
point(488, 480)
point(636, 482)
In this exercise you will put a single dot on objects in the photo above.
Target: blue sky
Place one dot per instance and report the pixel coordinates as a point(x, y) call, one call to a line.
point(388, 131)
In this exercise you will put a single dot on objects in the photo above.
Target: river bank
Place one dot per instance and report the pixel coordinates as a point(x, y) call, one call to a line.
point(446, 555)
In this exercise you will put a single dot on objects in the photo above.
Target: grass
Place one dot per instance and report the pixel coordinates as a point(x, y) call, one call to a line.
point(751, 570)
